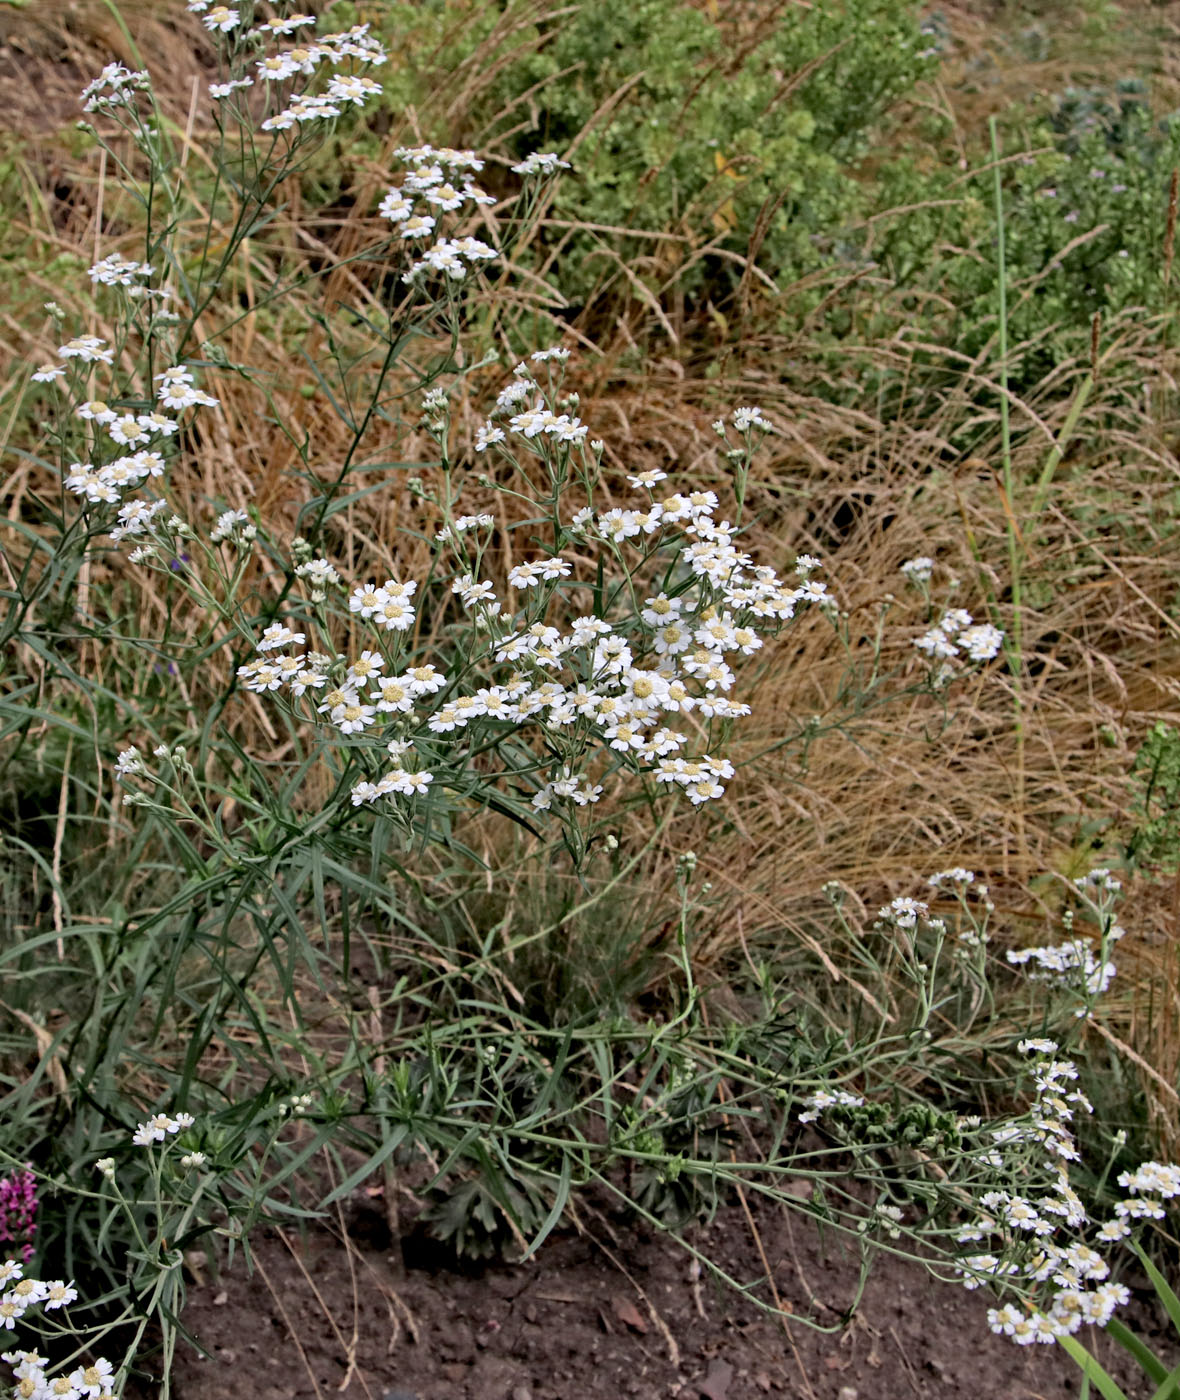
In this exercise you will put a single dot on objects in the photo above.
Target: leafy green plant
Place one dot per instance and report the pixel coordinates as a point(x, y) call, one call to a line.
point(1156, 837)
point(723, 141)
point(1087, 220)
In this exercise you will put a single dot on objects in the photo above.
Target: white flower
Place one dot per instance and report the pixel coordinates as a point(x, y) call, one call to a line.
point(981, 642)
point(92, 1381)
point(540, 163)
point(937, 645)
point(279, 635)
point(116, 271)
point(46, 374)
point(126, 431)
point(903, 912)
point(366, 599)
point(227, 522)
point(1154, 1177)
point(444, 720)
point(746, 419)
point(824, 1098)
point(158, 423)
point(417, 226)
point(260, 676)
point(395, 205)
point(88, 348)
point(394, 615)
point(393, 696)
point(424, 680)
point(354, 88)
point(60, 1389)
point(60, 1295)
point(223, 90)
point(1004, 1320)
point(475, 250)
point(129, 763)
point(367, 665)
point(319, 572)
point(353, 718)
point(220, 17)
point(918, 570)
point(444, 196)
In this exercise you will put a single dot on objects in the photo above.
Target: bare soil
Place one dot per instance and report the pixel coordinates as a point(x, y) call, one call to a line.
point(603, 1313)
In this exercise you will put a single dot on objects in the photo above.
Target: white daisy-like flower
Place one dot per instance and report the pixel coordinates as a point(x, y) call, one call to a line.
point(417, 226)
point(126, 431)
point(61, 1294)
point(395, 206)
point(750, 417)
point(220, 19)
point(541, 163)
point(219, 91)
point(354, 88)
point(91, 1381)
point(277, 635)
point(88, 348)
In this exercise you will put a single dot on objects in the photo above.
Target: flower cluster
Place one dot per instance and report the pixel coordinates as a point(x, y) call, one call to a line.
point(823, 1099)
point(640, 681)
point(541, 163)
point(343, 89)
point(18, 1211)
point(1080, 964)
point(327, 52)
point(1038, 1242)
point(109, 473)
point(438, 181)
point(19, 1302)
point(114, 88)
point(958, 635)
point(537, 420)
point(117, 271)
point(160, 1127)
point(1022, 1232)
point(1077, 963)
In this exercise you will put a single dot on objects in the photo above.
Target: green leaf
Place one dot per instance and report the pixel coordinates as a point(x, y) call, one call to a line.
point(556, 1211)
point(370, 1165)
point(1091, 1368)
point(1160, 1284)
point(1152, 1366)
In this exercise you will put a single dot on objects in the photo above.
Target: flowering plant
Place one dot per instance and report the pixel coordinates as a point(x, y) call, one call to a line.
point(557, 649)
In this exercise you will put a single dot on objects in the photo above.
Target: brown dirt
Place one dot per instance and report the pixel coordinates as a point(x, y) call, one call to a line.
point(598, 1314)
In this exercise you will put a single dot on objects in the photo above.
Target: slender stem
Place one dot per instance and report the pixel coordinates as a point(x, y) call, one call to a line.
point(1014, 647)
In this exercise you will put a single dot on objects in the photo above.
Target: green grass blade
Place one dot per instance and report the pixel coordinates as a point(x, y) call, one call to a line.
point(1152, 1366)
point(556, 1211)
point(1091, 1369)
point(369, 1167)
point(1170, 1387)
point(1163, 1289)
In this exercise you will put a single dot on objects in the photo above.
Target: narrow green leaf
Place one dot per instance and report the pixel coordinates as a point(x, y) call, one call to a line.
point(556, 1210)
point(1091, 1368)
point(370, 1165)
point(1134, 1345)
